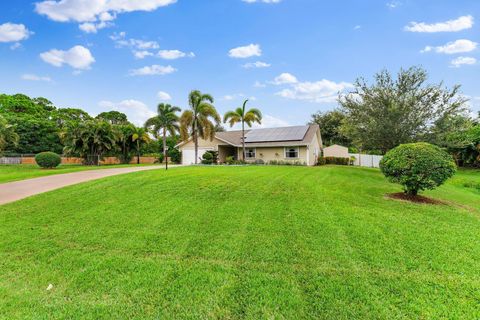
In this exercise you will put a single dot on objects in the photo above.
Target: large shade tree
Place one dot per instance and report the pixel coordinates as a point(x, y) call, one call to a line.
point(243, 116)
point(331, 123)
point(8, 136)
point(165, 122)
point(200, 120)
point(392, 111)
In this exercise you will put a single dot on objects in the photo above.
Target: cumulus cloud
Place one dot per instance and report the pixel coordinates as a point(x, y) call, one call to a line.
point(462, 23)
point(164, 96)
point(458, 46)
point(121, 40)
point(11, 32)
point(322, 91)
point(96, 13)
point(258, 64)
point(174, 54)
point(285, 78)
point(142, 54)
point(136, 111)
point(34, 77)
point(252, 50)
point(153, 70)
point(269, 121)
point(78, 57)
point(460, 61)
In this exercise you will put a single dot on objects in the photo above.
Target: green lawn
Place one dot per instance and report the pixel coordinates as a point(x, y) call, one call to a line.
point(242, 243)
point(9, 173)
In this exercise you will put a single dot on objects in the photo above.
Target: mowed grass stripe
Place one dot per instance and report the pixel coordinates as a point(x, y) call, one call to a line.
point(240, 243)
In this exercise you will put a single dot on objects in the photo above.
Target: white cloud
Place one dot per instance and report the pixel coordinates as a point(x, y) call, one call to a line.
point(458, 46)
point(90, 27)
point(285, 78)
point(258, 64)
point(262, 1)
point(15, 46)
point(252, 50)
point(458, 62)
point(269, 121)
point(11, 32)
point(320, 91)
point(394, 4)
point(94, 11)
point(153, 70)
point(259, 84)
point(136, 111)
point(142, 54)
point(164, 96)
point(462, 23)
point(78, 57)
point(357, 27)
point(137, 44)
point(174, 54)
point(34, 77)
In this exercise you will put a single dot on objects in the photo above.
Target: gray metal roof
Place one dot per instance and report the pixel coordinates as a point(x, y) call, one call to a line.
point(276, 134)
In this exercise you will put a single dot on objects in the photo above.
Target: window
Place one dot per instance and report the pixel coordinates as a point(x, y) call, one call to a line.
point(291, 153)
point(250, 153)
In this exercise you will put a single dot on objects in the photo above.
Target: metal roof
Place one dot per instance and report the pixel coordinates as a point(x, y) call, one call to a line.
point(276, 134)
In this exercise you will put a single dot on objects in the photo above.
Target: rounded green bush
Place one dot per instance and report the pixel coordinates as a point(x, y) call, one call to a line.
point(418, 166)
point(48, 160)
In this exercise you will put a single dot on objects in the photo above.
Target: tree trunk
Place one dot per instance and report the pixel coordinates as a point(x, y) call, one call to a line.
point(243, 139)
point(138, 152)
point(195, 140)
point(165, 154)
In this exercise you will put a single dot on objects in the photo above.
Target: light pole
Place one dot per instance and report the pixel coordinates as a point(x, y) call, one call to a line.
point(166, 158)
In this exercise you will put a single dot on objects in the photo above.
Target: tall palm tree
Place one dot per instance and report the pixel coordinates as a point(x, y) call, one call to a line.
point(197, 121)
point(245, 117)
point(139, 136)
point(166, 121)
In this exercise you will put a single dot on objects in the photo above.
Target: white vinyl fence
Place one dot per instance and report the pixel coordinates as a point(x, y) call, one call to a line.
point(366, 160)
point(10, 160)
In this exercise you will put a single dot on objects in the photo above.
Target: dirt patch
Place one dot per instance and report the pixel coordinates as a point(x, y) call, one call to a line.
point(415, 199)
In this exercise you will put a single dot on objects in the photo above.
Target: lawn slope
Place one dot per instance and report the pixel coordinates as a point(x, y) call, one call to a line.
point(242, 243)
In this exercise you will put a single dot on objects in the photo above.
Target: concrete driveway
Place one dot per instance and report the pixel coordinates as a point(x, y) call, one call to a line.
point(13, 191)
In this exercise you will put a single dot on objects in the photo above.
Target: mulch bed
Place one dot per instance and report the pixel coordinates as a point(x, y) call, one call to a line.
point(415, 199)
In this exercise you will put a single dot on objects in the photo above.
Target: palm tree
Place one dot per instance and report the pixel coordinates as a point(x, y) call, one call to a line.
point(245, 117)
point(197, 121)
point(166, 121)
point(140, 135)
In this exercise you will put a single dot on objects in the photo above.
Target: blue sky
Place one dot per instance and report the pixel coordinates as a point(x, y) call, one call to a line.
point(289, 56)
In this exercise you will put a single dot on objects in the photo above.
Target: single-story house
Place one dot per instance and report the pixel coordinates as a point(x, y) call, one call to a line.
point(294, 144)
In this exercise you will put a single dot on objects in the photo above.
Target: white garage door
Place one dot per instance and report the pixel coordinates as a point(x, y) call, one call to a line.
point(188, 155)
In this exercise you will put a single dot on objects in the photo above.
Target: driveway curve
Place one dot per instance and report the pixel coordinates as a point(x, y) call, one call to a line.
point(13, 191)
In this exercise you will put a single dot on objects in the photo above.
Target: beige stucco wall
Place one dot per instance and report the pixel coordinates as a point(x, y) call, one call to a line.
point(276, 153)
point(203, 144)
point(336, 151)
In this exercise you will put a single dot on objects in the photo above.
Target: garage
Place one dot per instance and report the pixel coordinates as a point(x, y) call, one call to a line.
point(188, 155)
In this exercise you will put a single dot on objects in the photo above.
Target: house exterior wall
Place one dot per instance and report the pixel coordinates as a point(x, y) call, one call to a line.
point(202, 143)
point(336, 151)
point(268, 154)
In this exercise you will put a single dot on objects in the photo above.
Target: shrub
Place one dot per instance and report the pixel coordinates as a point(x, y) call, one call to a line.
point(333, 160)
point(418, 167)
point(48, 160)
point(210, 157)
point(175, 155)
point(230, 160)
point(259, 161)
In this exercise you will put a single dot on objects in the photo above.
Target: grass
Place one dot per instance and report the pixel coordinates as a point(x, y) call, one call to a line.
point(242, 243)
point(9, 173)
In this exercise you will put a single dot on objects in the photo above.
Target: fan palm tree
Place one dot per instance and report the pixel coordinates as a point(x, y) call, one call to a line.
point(139, 136)
point(197, 121)
point(166, 121)
point(245, 117)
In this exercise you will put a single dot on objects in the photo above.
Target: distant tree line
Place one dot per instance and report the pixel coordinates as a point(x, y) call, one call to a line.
point(377, 117)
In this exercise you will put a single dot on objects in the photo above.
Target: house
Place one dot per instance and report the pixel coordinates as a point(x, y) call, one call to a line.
point(294, 144)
